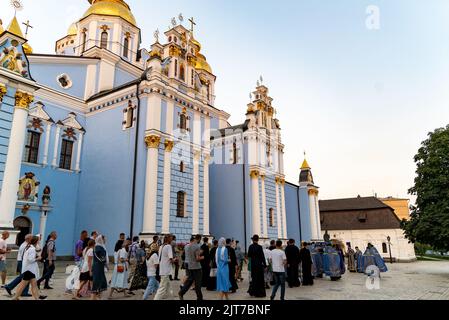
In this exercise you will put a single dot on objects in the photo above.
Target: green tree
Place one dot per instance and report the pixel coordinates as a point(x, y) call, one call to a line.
point(429, 223)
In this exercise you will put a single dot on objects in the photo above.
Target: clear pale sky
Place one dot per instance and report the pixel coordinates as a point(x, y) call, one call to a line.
point(359, 101)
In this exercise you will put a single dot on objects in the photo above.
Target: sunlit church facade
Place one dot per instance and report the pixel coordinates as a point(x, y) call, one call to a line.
point(107, 135)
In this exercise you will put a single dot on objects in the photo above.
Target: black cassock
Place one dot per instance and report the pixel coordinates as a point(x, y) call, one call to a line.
point(258, 264)
point(292, 253)
point(232, 266)
point(205, 265)
point(212, 284)
point(306, 263)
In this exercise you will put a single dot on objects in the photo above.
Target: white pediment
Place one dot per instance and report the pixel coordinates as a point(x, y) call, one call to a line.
point(37, 111)
point(71, 122)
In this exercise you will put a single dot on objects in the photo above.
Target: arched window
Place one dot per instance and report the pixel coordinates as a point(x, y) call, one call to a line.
point(126, 47)
point(83, 40)
point(129, 120)
point(183, 121)
point(271, 217)
point(182, 167)
point(384, 248)
point(176, 68)
point(182, 73)
point(181, 204)
point(104, 40)
point(234, 153)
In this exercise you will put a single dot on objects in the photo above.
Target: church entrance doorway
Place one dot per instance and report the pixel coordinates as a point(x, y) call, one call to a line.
point(24, 226)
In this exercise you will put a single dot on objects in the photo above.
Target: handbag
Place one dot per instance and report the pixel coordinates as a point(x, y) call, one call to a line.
point(120, 269)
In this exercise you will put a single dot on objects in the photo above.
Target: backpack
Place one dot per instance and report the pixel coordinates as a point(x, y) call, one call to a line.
point(44, 254)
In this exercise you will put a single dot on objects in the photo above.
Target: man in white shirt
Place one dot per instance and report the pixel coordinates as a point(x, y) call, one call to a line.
point(3, 251)
point(10, 286)
point(279, 261)
point(165, 268)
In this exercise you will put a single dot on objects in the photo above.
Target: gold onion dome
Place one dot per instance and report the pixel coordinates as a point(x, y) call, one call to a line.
point(73, 30)
point(118, 8)
point(305, 165)
point(201, 63)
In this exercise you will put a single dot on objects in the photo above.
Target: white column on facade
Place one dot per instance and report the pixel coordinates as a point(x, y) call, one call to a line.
point(313, 225)
point(11, 176)
point(116, 39)
point(317, 216)
point(284, 213)
point(278, 209)
point(196, 192)
point(255, 202)
point(150, 196)
point(197, 129)
point(47, 144)
point(92, 36)
point(169, 117)
point(78, 153)
point(264, 207)
point(56, 147)
point(153, 120)
point(206, 229)
point(167, 187)
point(43, 223)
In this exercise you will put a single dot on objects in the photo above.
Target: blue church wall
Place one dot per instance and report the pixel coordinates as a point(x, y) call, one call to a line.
point(181, 181)
point(227, 216)
point(47, 74)
point(270, 191)
point(107, 173)
point(122, 77)
point(6, 116)
point(292, 212)
point(64, 193)
point(305, 214)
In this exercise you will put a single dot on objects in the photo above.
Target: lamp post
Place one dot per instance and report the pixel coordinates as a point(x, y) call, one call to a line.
point(389, 248)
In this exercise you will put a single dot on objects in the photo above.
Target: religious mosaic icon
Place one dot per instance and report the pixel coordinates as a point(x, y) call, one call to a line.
point(11, 59)
point(28, 188)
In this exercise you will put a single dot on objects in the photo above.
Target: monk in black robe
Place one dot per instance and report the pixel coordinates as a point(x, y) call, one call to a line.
point(292, 253)
point(205, 263)
point(306, 262)
point(232, 266)
point(212, 284)
point(258, 264)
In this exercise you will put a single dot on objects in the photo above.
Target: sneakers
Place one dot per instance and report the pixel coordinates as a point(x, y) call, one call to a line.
point(8, 290)
point(48, 288)
point(42, 297)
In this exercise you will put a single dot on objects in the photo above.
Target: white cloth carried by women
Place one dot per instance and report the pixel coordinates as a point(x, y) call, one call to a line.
point(73, 280)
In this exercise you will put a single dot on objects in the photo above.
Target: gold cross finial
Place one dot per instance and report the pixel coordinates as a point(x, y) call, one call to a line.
point(192, 24)
point(28, 25)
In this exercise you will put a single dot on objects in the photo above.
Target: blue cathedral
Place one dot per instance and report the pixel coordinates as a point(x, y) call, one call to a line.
point(107, 135)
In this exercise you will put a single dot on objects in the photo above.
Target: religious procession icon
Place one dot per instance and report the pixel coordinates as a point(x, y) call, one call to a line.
point(28, 188)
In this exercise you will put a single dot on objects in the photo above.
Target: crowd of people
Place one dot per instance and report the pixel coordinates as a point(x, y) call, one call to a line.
point(152, 267)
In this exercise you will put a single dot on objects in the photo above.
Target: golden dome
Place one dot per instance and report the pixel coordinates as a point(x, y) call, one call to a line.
point(27, 48)
point(195, 42)
point(201, 63)
point(73, 30)
point(305, 165)
point(117, 8)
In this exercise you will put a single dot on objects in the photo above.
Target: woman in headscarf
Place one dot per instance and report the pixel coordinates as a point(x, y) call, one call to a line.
point(119, 280)
point(99, 265)
point(140, 279)
point(222, 259)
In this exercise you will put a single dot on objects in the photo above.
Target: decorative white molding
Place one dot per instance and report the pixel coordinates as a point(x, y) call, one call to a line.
point(78, 153)
point(47, 144)
point(54, 162)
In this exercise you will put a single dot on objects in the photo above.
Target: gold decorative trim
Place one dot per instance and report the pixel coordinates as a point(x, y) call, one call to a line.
point(277, 180)
point(169, 145)
point(262, 176)
point(313, 192)
point(152, 141)
point(282, 181)
point(254, 174)
point(3, 91)
point(23, 100)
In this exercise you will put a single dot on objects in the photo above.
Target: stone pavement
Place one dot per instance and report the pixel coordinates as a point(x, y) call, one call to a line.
point(421, 280)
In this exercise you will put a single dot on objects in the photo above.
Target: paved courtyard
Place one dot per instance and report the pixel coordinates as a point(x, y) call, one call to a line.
point(422, 280)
